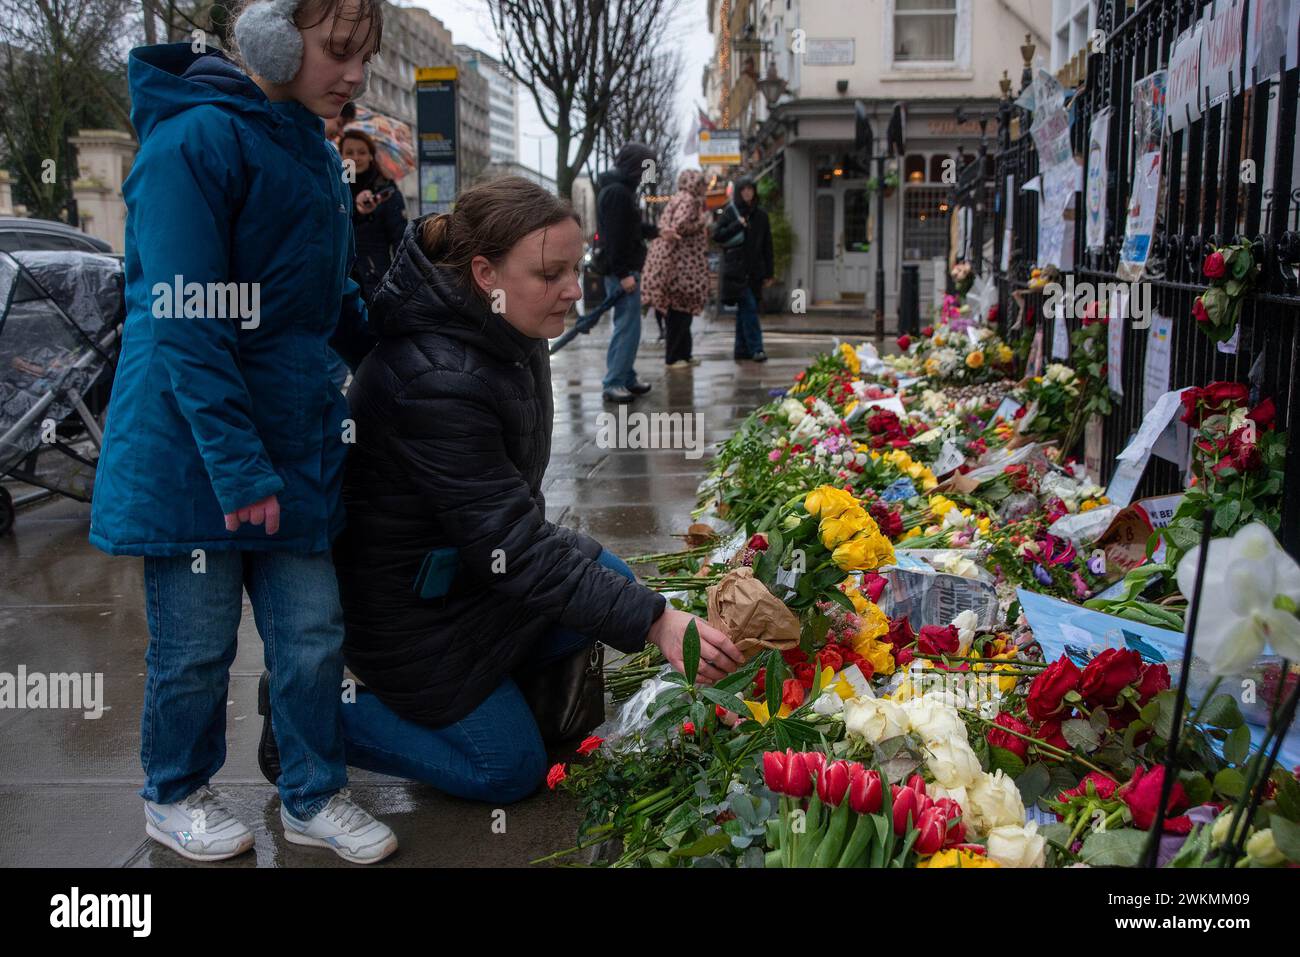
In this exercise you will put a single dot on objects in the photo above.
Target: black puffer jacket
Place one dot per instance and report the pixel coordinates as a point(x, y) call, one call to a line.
point(748, 264)
point(623, 233)
point(453, 413)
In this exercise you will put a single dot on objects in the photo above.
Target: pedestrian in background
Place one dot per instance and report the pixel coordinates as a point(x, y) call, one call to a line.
point(378, 212)
point(622, 237)
point(676, 279)
point(745, 236)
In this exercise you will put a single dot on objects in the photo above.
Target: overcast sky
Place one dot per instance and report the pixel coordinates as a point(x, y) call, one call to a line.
point(469, 22)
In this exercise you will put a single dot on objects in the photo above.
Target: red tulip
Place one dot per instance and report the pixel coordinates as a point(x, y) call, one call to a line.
point(916, 783)
point(865, 792)
point(907, 804)
point(953, 822)
point(933, 829)
point(815, 762)
point(774, 767)
point(798, 783)
point(833, 783)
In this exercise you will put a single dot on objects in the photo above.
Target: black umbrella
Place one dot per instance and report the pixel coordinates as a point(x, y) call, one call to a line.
point(587, 322)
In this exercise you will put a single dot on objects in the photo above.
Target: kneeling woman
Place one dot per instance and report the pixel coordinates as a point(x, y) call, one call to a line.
point(451, 577)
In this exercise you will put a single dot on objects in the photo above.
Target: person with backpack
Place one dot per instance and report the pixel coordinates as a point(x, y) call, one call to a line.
point(745, 236)
point(224, 446)
point(622, 249)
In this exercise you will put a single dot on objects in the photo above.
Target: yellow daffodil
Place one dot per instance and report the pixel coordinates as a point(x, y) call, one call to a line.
point(850, 407)
point(913, 532)
point(975, 359)
point(843, 689)
point(984, 524)
point(939, 341)
point(1087, 505)
point(1005, 355)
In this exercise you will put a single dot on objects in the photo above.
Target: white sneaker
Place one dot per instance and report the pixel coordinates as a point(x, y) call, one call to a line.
point(199, 827)
point(344, 827)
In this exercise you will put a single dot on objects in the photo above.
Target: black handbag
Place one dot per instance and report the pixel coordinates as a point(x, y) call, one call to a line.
point(567, 696)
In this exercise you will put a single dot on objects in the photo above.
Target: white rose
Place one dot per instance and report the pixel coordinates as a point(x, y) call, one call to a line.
point(957, 794)
point(994, 802)
point(953, 763)
point(874, 719)
point(805, 429)
point(1016, 845)
point(933, 720)
point(966, 624)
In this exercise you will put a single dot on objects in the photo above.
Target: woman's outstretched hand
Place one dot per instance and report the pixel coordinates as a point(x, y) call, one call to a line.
point(718, 656)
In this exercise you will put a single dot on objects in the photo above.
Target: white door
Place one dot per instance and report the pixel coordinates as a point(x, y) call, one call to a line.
point(842, 236)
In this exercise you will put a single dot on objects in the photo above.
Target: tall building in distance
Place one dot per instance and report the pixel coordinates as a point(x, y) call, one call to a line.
point(503, 103)
point(415, 38)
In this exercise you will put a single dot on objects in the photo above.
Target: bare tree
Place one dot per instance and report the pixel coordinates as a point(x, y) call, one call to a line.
point(645, 111)
point(62, 68)
point(575, 57)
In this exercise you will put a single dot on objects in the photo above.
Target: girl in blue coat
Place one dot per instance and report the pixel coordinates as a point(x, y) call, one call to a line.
point(225, 440)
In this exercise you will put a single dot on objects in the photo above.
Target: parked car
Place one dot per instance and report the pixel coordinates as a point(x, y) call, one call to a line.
point(46, 235)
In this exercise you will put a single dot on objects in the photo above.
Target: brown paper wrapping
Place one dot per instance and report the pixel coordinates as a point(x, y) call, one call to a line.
point(751, 616)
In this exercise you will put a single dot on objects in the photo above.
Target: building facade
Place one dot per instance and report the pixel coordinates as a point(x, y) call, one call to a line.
point(415, 38)
point(503, 104)
point(936, 57)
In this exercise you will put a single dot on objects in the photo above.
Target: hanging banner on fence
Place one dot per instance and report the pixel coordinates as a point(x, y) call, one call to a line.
point(1184, 94)
point(1271, 36)
point(1010, 195)
point(1034, 364)
point(1059, 184)
point(1099, 137)
point(1117, 316)
point(1221, 50)
point(1051, 126)
point(1155, 380)
point(1060, 338)
point(1148, 133)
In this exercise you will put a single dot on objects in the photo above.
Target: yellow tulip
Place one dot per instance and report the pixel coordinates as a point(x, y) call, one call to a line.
point(758, 710)
point(975, 359)
point(839, 529)
point(879, 653)
point(954, 857)
point(828, 501)
point(875, 622)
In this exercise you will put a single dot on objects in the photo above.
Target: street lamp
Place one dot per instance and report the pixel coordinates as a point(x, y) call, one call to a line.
point(539, 137)
point(771, 86)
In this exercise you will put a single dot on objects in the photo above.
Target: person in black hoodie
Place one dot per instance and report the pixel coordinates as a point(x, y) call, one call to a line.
point(378, 212)
point(451, 577)
point(745, 235)
point(622, 236)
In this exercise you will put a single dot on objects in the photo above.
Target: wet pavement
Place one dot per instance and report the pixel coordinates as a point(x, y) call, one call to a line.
point(68, 784)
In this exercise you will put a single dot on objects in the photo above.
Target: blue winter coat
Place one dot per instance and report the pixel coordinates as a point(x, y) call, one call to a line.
point(210, 414)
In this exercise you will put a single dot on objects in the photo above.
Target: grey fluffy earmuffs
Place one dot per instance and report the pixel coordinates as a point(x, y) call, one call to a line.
point(270, 44)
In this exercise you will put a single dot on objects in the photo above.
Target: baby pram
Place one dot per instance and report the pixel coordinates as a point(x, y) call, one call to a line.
point(61, 316)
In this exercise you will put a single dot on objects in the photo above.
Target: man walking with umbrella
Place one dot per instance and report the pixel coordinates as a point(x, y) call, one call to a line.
point(622, 238)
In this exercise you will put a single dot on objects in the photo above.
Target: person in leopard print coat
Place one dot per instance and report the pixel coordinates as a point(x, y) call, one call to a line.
point(675, 282)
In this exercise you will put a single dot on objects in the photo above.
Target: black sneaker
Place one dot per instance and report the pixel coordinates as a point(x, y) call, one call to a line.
point(639, 388)
point(759, 357)
point(268, 752)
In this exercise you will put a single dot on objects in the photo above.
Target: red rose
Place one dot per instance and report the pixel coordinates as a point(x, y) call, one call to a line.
point(555, 776)
point(590, 744)
point(1198, 311)
point(1246, 456)
point(1108, 674)
point(1221, 393)
point(792, 693)
point(1020, 413)
point(804, 675)
point(928, 331)
point(903, 657)
point(830, 657)
point(688, 728)
point(793, 656)
point(760, 682)
point(900, 633)
point(1050, 732)
point(934, 640)
point(1142, 795)
point(1050, 687)
point(1001, 739)
point(1263, 414)
point(904, 341)
point(1214, 267)
point(757, 541)
point(1155, 679)
point(1102, 786)
point(873, 585)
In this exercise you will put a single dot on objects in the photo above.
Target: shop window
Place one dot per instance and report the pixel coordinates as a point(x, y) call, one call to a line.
point(936, 167)
point(925, 223)
point(914, 168)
